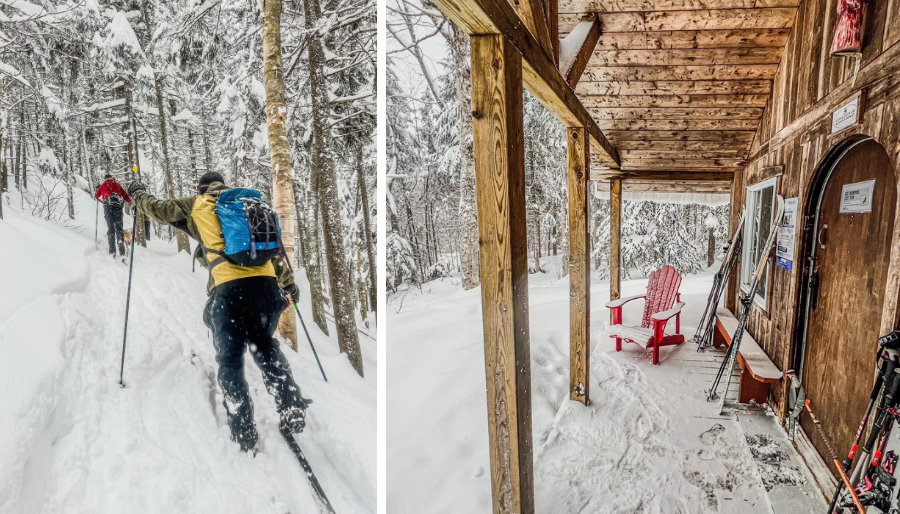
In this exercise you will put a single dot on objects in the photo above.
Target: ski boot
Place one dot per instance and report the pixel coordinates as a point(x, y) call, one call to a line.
point(293, 419)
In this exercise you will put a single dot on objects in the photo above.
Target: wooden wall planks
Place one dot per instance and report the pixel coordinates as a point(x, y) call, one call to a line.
point(794, 131)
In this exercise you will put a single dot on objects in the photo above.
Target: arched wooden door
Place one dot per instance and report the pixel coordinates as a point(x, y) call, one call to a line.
point(852, 251)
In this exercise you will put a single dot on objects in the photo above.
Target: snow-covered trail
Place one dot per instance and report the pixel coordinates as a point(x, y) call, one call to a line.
point(649, 442)
point(72, 440)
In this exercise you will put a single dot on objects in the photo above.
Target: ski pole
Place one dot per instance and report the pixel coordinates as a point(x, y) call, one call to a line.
point(96, 223)
point(837, 463)
point(887, 367)
point(888, 401)
point(309, 338)
point(128, 295)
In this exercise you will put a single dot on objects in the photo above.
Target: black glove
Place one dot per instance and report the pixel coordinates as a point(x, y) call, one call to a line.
point(134, 187)
point(292, 290)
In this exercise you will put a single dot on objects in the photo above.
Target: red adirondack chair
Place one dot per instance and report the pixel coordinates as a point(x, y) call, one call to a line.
point(662, 302)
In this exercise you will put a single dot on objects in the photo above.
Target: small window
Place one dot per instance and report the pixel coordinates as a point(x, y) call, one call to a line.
point(758, 224)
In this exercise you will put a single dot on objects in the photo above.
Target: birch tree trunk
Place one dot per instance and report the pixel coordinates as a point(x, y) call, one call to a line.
point(344, 316)
point(181, 237)
point(468, 212)
point(282, 173)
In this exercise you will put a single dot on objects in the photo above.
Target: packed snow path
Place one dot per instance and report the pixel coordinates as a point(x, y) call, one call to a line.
point(72, 440)
point(648, 443)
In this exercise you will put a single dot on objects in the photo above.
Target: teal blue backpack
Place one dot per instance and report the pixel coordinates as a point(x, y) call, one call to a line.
point(250, 227)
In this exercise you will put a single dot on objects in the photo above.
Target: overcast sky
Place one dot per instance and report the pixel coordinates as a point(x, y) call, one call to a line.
point(404, 64)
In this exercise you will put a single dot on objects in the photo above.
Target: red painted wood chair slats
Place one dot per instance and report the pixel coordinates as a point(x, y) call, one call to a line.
point(662, 302)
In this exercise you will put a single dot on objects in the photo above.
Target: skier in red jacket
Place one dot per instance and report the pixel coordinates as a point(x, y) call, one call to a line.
point(113, 196)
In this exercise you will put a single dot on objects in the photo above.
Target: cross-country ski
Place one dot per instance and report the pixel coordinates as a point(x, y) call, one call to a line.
point(763, 253)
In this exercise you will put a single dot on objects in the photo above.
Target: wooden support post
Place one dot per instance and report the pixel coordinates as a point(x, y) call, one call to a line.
point(579, 266)
point(500, 182)
point(615, 239)
point(552, 10)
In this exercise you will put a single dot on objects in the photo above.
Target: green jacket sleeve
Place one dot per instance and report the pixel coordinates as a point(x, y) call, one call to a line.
point(164, 211)
point(282, 272)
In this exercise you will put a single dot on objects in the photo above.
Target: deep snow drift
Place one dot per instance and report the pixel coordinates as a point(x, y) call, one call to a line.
point(73, 441)
point(648, 443)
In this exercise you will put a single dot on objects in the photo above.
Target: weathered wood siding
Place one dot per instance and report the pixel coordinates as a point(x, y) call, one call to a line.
point(795, 133)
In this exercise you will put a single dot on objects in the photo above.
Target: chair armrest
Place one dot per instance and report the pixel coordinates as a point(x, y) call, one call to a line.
point(622, 301)
point(664, 315)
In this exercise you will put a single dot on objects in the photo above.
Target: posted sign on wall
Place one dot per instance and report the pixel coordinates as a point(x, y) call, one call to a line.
point(857, 197)
point(846, 116)
point(787, 230)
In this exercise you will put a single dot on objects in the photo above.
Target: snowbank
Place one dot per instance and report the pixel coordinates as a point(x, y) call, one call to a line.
point(648, 443)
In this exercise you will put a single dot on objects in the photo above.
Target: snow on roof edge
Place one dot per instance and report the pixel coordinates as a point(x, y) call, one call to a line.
point(710, 199)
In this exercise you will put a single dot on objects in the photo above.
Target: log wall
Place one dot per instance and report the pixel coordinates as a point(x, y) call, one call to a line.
point(795, 133)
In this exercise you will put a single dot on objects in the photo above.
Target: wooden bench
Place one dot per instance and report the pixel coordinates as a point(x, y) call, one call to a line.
point(758, 372)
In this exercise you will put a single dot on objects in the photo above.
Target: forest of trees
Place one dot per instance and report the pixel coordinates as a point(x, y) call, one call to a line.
point(432, 227)
point(277, 96)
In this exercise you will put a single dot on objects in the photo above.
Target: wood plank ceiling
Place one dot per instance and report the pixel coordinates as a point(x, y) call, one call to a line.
point(680, 85)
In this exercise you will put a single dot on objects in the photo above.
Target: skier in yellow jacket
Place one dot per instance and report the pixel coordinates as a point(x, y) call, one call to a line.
point(242, 311)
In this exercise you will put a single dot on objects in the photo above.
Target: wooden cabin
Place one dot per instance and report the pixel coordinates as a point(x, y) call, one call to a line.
point(739, 96)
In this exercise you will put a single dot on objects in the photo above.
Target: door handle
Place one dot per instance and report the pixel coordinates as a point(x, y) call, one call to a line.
point(821, 236)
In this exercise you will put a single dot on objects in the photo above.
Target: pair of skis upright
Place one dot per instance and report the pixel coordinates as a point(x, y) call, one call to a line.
point(704, 334)
point(727, 366)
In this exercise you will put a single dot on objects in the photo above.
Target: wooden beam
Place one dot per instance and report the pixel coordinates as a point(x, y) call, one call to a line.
point(712, 19)
point(650, 73)
point(678, 113)
point(540, 73)
point(580, 6)
point(579, 267)
point(672, 39)
point(675, 87)
point(667, 176)
point(712, 188)
point(690, 100)
point(615, 240)
point(653, 153)
point(681, 163)
point(576, 50)
point(628, 146)
point(552, 11)
point(686, 57)
point(726, 136)
point(497, 112)
point(748, 125)
point(532, 13)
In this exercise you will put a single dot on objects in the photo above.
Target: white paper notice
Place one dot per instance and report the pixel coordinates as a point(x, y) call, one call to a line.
point(784, 250)
point(857, 197)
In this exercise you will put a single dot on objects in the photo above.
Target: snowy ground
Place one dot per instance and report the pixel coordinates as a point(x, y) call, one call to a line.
point(73, 441)
point(648, 443)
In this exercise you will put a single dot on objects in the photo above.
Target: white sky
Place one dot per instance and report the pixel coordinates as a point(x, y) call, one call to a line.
point(404, 64)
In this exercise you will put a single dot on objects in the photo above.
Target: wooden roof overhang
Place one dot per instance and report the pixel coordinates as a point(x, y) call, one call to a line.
point(679, 86)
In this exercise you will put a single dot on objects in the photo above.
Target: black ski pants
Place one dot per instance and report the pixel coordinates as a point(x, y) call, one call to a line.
point(244, 313)
point(115, 233)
